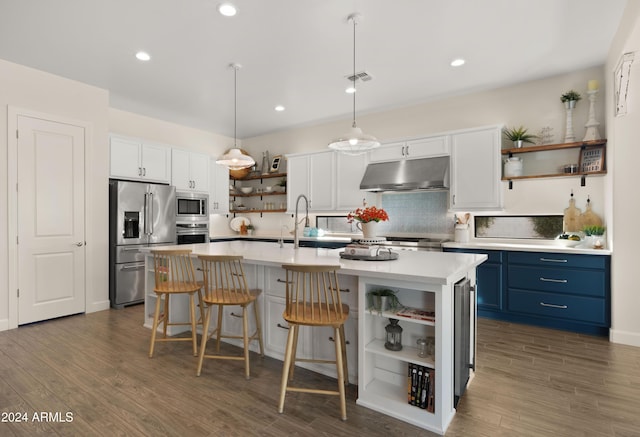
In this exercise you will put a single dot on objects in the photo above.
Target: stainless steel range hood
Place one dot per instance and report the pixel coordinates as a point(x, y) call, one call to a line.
point(406, 175)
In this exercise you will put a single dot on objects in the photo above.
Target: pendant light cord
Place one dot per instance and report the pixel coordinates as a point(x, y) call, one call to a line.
point(354, 71)
point(235, 106)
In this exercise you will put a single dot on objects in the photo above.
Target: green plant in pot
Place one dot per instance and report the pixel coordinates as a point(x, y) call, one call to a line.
point(519, 136)
point(570, 98)
point(597, 231)
point(384, 299)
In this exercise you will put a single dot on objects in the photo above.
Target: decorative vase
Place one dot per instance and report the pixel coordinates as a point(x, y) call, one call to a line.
point(569, 136)
point(369, 229)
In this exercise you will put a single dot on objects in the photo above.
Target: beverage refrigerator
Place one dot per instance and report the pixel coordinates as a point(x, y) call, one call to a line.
point(140, 215)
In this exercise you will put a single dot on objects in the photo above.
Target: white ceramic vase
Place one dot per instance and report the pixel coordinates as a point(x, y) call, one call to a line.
point(369, 229)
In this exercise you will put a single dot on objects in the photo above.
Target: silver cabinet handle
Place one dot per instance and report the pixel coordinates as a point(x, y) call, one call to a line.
point(139, 171)
point(344, 290)
point(79, 243)
point(403, 150)
point(551, 260)
point(559, 281)
point(333, 339)
point(235, 315)
point(562, 307)
point(282, 281)
point(282, 326)
point(407, 152)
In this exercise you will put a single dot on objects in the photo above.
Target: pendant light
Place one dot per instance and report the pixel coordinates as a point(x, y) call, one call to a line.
point(354, 142)
point(233, 158)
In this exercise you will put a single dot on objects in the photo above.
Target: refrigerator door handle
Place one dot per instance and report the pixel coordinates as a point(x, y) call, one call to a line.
point(150, 216)
point(146, 213)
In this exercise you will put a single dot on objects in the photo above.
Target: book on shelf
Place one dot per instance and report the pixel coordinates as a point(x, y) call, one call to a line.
point(421, 386)
point(416, 313)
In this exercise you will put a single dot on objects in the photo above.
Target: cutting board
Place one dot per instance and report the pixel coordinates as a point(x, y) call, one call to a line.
point(572, 217)
point(590, 218)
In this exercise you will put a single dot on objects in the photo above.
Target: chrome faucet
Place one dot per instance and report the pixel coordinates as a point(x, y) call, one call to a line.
point(296, 239)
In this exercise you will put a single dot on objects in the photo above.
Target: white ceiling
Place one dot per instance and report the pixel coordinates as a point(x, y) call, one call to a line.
point(298, 52)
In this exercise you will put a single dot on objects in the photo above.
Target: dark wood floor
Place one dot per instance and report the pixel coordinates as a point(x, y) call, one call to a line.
point(529, 382)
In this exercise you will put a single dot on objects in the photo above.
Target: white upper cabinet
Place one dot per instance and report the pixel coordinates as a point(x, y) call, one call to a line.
point(219, 188)
point(475, 170)
point(411, 149)
point(134, 159)
point(349, 172)
point(189, 171)
point(313, 175)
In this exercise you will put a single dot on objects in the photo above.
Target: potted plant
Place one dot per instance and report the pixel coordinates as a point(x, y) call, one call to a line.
point(384, 299)
point(250, 229)
point(282, 183)
point(570, 98)
point(519, 136)
point(366, 219)
point(595, 236)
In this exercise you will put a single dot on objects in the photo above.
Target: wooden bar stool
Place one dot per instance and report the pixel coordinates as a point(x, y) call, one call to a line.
point(313, 299)
point(226, 285)
point(174, 275)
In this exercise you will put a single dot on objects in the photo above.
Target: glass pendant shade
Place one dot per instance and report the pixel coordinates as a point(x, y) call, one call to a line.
point(234, 159)
point(354, 142)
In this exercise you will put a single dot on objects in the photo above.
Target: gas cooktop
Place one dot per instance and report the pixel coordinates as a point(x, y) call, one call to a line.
point(413, 243)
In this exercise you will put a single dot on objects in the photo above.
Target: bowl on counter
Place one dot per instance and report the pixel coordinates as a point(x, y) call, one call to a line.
point(568, 240)
point(246, 190)
point(268, 189)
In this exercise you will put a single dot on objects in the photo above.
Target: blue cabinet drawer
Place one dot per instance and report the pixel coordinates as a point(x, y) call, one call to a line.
point(547, 259)
point(578, 308)
point(558, 280)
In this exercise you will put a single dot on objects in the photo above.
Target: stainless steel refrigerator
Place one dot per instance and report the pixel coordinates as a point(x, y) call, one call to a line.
point(140, 214)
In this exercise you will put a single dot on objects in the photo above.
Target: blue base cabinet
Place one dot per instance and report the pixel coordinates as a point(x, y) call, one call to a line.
point(556, 290)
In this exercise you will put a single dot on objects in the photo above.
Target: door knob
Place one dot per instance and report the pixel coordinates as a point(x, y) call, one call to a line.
point(79, 243)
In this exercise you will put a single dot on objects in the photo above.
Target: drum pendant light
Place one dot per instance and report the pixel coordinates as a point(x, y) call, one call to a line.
point(354, 142)
point(233, 158)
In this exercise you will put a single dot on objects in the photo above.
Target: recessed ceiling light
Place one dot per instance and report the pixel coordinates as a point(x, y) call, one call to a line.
point(227, 9)
point(143, 56)
point(279, 108)
point(350, 90)
point(457, 62)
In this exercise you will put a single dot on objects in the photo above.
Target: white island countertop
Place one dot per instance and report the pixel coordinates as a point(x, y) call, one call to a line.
point(433, 267)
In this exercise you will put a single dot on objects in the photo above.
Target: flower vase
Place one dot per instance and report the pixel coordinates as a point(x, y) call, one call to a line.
point(569, 136)
point(369, 230)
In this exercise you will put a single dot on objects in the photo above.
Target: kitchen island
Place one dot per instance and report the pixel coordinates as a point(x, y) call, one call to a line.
point(423, 280)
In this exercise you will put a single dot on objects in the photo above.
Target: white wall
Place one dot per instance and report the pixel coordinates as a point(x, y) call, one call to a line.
point(139, 126)
point(37, 91)
point(624, 209)
point(533, 104)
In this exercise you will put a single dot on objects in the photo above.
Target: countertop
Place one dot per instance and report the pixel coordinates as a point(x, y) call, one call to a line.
point(432, 267)
point(526, 246)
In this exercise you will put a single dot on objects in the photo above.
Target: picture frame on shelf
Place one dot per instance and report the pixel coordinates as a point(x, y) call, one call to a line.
point(591, 159)
point(275, 164)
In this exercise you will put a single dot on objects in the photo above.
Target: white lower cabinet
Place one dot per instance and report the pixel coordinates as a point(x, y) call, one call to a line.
point(385, 376)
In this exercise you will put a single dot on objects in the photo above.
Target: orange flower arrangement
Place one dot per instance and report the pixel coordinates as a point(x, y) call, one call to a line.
point(368, 214)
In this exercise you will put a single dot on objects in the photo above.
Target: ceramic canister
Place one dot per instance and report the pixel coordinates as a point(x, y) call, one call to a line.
point(513, 167)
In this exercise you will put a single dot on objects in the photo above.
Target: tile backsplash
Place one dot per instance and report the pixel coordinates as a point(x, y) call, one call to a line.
point(422, 212)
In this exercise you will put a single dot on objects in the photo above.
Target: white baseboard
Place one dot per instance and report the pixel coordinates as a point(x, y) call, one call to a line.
point(4, 324)
point(624, 337)
point(98, 306)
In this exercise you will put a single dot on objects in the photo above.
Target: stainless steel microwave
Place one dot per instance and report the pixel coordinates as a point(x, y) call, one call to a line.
point(192, 206)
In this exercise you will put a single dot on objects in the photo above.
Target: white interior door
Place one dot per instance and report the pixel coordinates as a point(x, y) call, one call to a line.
point(51, 241)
